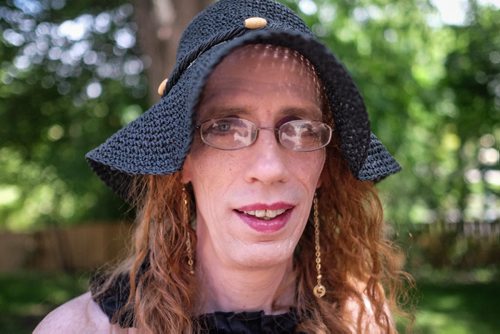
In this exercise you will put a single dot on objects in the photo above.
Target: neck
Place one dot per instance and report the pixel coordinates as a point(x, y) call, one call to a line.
point(228, 289)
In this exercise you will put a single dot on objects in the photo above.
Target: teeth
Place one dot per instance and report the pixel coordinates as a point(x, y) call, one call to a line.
point(265, 214)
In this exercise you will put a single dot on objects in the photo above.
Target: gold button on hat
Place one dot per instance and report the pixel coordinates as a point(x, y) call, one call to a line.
point(162, 86)
point(255, 23)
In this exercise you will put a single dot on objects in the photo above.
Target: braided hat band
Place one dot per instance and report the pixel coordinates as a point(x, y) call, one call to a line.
point(158, 141)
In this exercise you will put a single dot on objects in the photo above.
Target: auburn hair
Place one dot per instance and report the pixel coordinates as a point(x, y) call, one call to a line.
point(360, 266)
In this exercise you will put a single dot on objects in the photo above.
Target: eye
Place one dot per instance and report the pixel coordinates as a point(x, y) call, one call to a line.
point(285, 120)
point(299, 127)
point(228, 133)
point(308, 130)
point(221, 126)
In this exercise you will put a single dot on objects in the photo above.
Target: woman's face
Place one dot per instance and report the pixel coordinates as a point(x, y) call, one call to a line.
point(235, 189)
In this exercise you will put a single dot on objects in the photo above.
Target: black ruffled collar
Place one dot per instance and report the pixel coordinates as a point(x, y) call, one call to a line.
point(248, 323)
point(114, 299)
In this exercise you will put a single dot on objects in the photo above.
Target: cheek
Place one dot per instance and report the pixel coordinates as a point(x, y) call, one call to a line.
point(311, 168)
point(214, 164)
point(208, 169)
point(191, 171)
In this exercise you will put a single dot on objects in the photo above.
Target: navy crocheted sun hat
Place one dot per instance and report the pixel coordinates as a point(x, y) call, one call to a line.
point(158, 141)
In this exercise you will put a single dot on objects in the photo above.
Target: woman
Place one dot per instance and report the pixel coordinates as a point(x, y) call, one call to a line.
point(253, 180)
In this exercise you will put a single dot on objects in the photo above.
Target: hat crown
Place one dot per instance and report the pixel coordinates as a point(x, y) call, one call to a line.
point(228, 15)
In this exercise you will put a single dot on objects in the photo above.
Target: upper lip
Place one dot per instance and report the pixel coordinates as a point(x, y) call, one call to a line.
point(263, 206)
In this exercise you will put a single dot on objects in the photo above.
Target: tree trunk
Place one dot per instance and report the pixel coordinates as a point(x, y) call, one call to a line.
point(160, 24)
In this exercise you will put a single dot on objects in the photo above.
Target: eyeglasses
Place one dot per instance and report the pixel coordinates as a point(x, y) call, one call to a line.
point(233, 133)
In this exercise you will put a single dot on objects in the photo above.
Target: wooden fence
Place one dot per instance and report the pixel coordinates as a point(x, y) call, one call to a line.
point(75, 248)
point(472, 229)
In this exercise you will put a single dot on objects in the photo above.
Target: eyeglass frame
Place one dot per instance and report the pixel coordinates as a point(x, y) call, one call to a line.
point(256, 129)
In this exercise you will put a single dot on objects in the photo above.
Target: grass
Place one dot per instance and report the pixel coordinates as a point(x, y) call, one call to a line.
point(444, 308)
point(458, 308)
point(25, 298)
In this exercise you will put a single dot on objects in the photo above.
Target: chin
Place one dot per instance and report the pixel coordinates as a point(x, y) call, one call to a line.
point(263, 256)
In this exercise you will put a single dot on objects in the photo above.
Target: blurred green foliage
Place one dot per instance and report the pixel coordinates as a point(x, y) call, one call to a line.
point(433, 94)
point(71, 74)
point(70, 77)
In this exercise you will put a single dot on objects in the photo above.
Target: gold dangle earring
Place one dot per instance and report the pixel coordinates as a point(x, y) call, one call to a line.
point(319, 290)
point(189, 248)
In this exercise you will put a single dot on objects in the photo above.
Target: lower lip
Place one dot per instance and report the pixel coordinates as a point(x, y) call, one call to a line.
point(266, 226)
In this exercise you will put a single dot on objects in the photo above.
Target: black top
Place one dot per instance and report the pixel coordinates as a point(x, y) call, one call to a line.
point(115, 298)
point(248, 323)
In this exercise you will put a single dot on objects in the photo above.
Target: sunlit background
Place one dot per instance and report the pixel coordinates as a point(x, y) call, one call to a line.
point(73, 72)
point(78, 59)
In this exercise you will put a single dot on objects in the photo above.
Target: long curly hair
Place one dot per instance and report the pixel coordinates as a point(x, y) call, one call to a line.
point(360, 266)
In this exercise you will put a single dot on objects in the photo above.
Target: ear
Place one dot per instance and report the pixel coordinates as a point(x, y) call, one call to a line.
point(186, 172)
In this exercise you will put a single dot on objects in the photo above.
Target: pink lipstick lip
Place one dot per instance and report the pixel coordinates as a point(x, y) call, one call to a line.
point(262, 225)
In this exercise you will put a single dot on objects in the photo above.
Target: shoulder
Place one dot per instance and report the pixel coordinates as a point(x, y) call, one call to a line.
point(79, 315)
point(361, 312)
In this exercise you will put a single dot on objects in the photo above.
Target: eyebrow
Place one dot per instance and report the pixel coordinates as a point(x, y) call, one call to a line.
point(308, 113)
point(221, 112)
point(313, 113)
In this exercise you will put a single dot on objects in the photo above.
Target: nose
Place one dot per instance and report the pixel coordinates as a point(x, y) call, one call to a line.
point(267, 159)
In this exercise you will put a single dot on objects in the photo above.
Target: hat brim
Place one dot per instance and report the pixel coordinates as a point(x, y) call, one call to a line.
point(158, 141)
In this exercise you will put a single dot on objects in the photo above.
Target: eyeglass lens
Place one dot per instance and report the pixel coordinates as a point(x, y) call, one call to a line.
point(235, 133)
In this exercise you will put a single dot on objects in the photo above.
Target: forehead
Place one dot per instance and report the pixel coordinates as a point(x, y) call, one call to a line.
point(272, 55)
point(280, 60)
point(259, 72)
